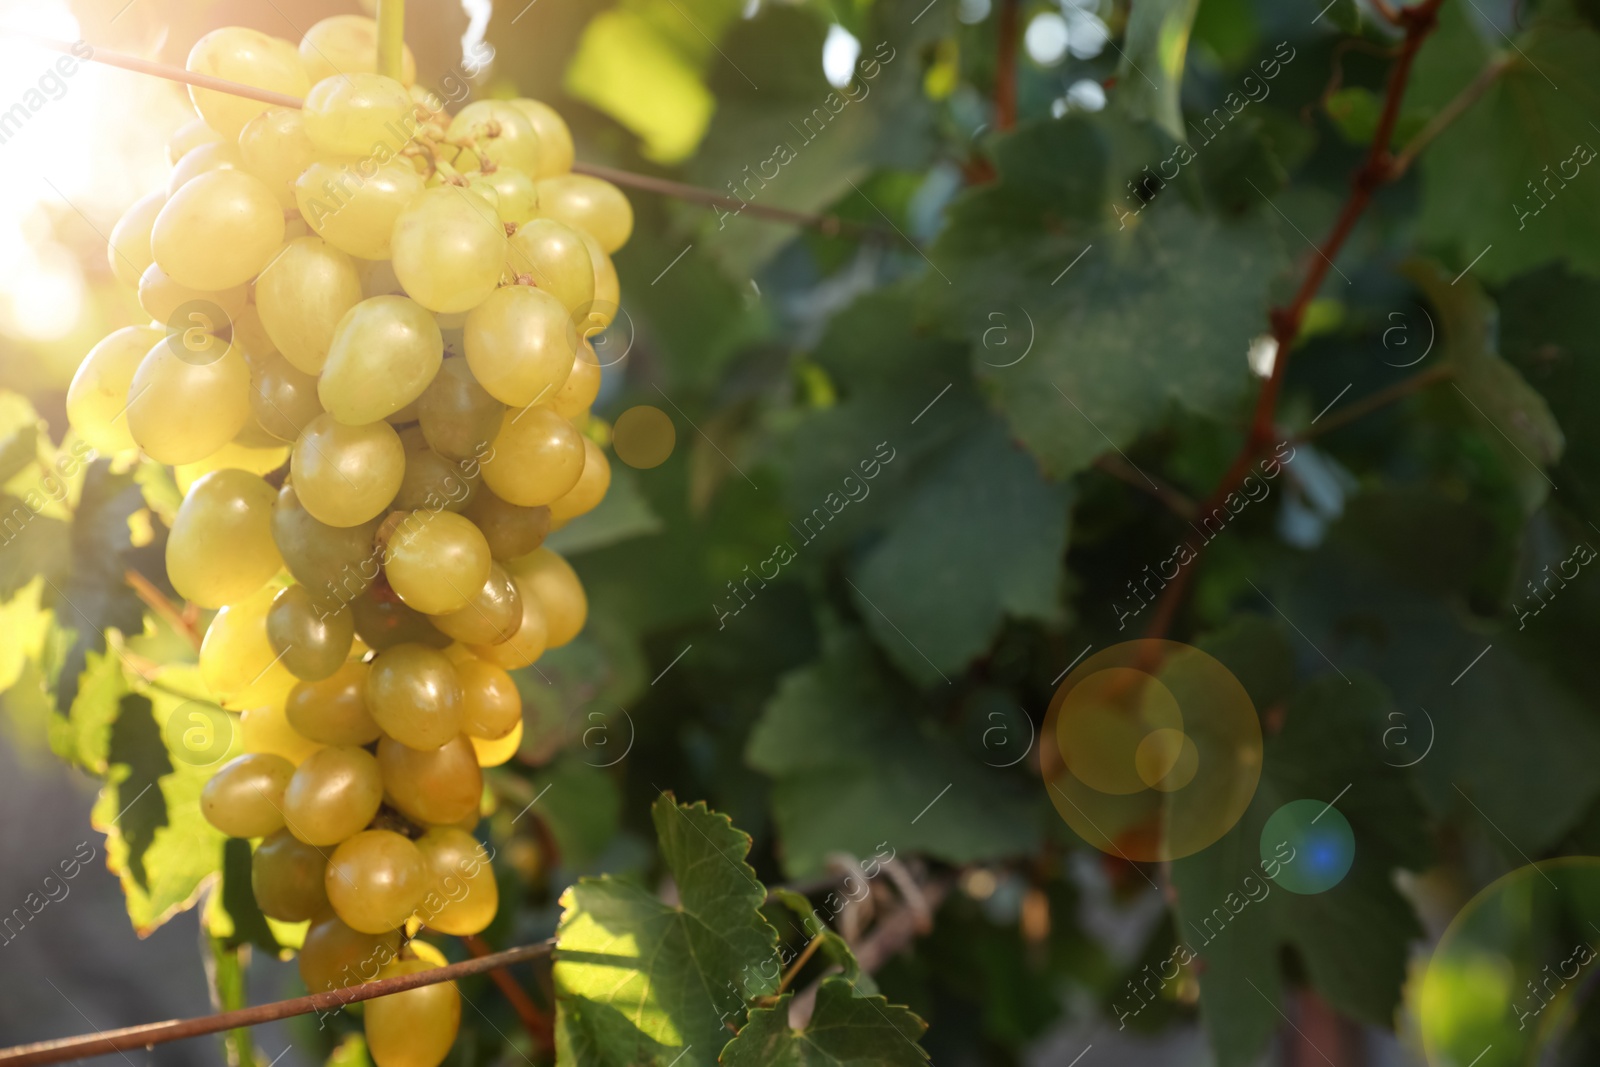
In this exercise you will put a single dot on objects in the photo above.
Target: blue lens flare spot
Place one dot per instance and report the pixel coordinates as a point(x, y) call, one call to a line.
point(1310, 843)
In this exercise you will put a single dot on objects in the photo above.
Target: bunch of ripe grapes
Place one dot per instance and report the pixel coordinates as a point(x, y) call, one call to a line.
point(368, 362)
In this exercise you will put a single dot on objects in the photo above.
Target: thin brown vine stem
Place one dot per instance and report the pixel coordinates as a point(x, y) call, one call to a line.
point(1374, 401)
point(136, 1037)
point(1449, 113)
point(158, 602)
point(1007, 30)
point(1173, 499)
point(1375, 170)
point(829, 225)
point(533, 1018)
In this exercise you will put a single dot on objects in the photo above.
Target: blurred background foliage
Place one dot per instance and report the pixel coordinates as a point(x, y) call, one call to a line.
point(1037, 423)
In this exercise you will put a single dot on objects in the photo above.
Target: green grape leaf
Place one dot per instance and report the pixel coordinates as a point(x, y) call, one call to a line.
point(834, 948)
point(1110, 324)
point(987, 506)
point(1150, 76)
point(846, 1029)
point(854, 769)
point(1352, 938)
point(641, 981)
point(1512, 180)
point(1513, 416)
point(18, 450)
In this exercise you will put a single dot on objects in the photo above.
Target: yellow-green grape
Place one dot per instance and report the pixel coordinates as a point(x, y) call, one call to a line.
point(210, 312)
point(184, 404)
point(254, 438)
point(537, 458)
point(383, 621)
point(348, 44)
point(555, 256)
point(555, 585)
point(283, 398)
point(385, 351)
point(518, 344)
point(491, 706)
point(233, 455)
point(97, 399)
point(590, 490)
point(245, 797)
point(333, 711)
point(335, 563)
point(265, 729)
point(251, 336)
point(491, 616)
point(528, 643)
point(511, 531)
point(511, 192)
point(302, 298)
point(448, 249)
point(439, 786)
point(242, 55)
point(333, 795)
point(607, 290)
point(237, 661)
point(129, 247)
point(354, 204)
point(204, 159)
point(499, 132)
point(464, 897)
point(432, 482)
point(274, 147)
point(492, 752)
point(314, 639)
point(585, 202)
point(437, 562)
point(375, 880)
point(414, 694)
point(337, 957)
point(346, 475)
point(286, 877)
point(188, 137)
point(218, 231)
point(221, 549)
point(459, 418)
point(555, 140)
point(358, 114)
point(415, 1028)
point(577, 393)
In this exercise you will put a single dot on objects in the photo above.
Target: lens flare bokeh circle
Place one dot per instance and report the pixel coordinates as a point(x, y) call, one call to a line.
point(1152, 750)
point(1323, 842)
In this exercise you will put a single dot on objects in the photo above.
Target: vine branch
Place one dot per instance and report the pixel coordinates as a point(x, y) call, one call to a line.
point(137, 1037)
point(1005, 65)
point(1449, 113)
point(533, 1018)
point(1376, 170)
point(830, 225)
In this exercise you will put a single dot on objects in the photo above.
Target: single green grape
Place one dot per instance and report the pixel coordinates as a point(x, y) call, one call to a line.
point(283, 398)
point(185, 403)
point(177, 307)
point(237, 54)
point(459, 418)
point(303, 296)
point(440, 786)
point(436, 561)
point(347, 475)
point(491, 706)
point(129, 247)
point(353, 204)
point(336, 564)
point(607, 290)
point(511, 192)
point(555, 585)
point(555, 139)
point(383, 621)
point(556, 258)
point(220, 550)
point(336, 957)
point(237, 661)
point(511, 530)
point(501, 133)
point(432, 482)
point(448, 249)
point(313, 639)
point(97, 399)
point(490, 617)
point(245, 797)
point(188, 137)
point(385, 352)
point(219, 155)
point(358, 114)
point(333, 795)
point(536, 459)
point(218, 231)
point(286, 876)
point(527, 644)
point(585, 202)
point(375, 880)
point(333, 711)
point(414, 694)
point(590, 490)
point(275, 148)
point(465, 897)
point(519, 345)
point(415, 1028)
point(348, 44)
point(577, 393)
